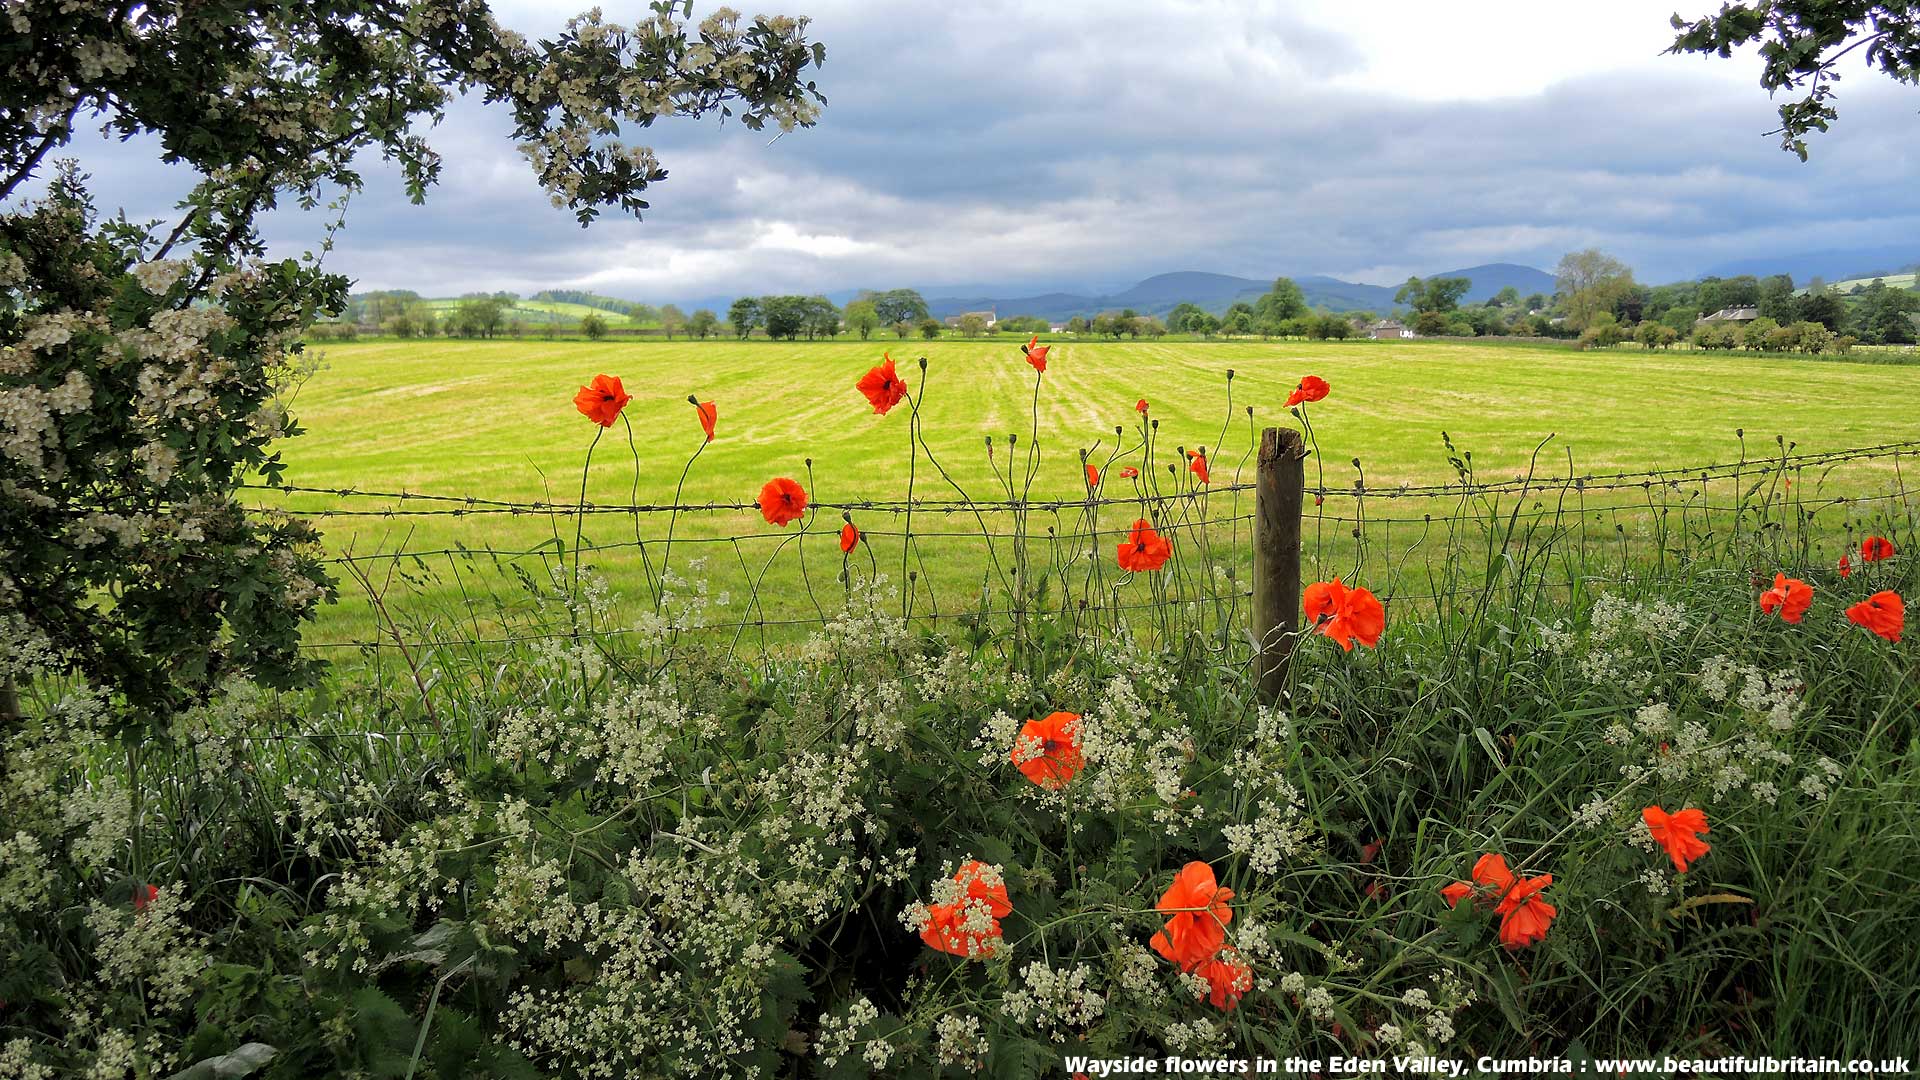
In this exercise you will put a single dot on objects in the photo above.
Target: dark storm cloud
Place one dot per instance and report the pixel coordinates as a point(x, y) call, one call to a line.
point(988, 143)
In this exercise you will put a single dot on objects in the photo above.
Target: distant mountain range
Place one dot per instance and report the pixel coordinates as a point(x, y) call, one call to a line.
point(1831, 265)
point(1159, 294)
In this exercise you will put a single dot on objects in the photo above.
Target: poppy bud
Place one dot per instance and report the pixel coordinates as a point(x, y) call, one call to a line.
point(693, 400)
point(1229, 374)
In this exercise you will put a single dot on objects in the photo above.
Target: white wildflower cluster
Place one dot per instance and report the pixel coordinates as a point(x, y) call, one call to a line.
point(1138, 972)
point(26, 874)
point(150, 943)
point(957, 1041)
point(1130, 759)
point(19, 1062)
point(1192, 1037)
point(1555, 638)
point(625, 738)
point(348, 815)
point(400, 878)
point(866, 636)
point(1623, 640)
point(101, 812)
point(1319, 1002)
point(839, 1034)
point(1656, 881)
point(24, 650)
point(1819, 781)
point(1054, 1002)
point(1278, 833)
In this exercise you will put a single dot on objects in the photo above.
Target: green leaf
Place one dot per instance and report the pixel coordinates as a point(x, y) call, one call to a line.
point(241, 1061)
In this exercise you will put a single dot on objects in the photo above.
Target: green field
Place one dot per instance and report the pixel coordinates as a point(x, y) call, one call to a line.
point(542, 311)
point(495, 420)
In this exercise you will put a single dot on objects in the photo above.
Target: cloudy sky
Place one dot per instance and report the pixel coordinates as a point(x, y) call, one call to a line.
point(1086, 145)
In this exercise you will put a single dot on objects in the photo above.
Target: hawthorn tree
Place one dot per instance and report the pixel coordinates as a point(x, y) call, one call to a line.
point(1801, 45)
point(142, 366)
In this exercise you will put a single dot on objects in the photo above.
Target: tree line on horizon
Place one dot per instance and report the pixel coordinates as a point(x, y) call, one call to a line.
point(1595, 301)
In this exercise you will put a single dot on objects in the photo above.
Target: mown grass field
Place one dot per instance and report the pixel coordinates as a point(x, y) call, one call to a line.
point(495, 419)
point(543, 311)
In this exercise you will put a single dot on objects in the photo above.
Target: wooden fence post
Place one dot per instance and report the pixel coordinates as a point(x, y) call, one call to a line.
point(1279, 491)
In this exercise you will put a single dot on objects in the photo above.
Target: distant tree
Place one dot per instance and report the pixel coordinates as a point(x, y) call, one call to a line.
point(1886, 314)
point(1078, 325)
point(930, 328)
point(1024, 324)
point(1435, 294)
point(1602, 332)
point(902, 328)
point(821, 317)
point(479, 315)
point(1590, 283)
point(642, 314)
point(671, 320)
point(516, 327)
point(1655, 335)
point(862, 318)
point(1824, 308)
point(743, 316)
point(1282, 301)
point(900, 305)
point(972, 324)
point(1198, 322)
point(1177, 318)
point(1754, 335)
point(1535, 302)
point(1801, 45)
point(1331, 327)
point(1239, 319)
point(594, 327)
point(1430, 324)
point(1777, 300)
point(1508, 297)
point(784, 316)
point(1680, 320)
point(702, 323)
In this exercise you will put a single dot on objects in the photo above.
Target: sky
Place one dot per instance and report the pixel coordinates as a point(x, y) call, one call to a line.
point(998, 146)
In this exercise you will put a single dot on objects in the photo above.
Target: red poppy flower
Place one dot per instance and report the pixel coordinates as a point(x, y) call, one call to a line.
point(1343, 614)
point(1875, 548)
point(1129, 473)
point(1048, 751)
point(709, 414)
point(1036, 353)
point(1846, 566)
point(1524, 917)
point(1093, 476)
point(1140, 406)
point(1144, 549)
point(1791, 597)
point(1198, 915)
point(1678, 832)
point(1884, 613)
point(144, 895)
point(1197, 465)
point(782, 500)
point(969, 925)
point(1227, 978)
point(602, 400)
point(849, 537)
point(882, 385)
point(1311, 388)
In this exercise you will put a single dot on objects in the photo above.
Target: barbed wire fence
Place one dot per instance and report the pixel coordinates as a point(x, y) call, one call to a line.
point(998, 568)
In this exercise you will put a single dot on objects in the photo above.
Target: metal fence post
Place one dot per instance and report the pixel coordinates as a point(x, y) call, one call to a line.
point(1279, 493)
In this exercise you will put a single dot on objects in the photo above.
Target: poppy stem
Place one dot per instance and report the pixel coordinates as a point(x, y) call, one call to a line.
point(580, 514)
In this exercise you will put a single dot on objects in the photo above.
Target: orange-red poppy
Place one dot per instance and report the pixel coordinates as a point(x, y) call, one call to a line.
point(1875, 548)
point(1093, 476)
point(1227, 978)
point(1791, 597)
point(1679, 833)
point(1846, 566)
point(1036, 353)
point(882, 385)
point(144, 895)
point(1311, 388)
point(1144, 549)
point(709, 414)
point(1129, 473)
point(849, 536)
point(1197, 465)
point(782, 500)
point(1524, 917)
point(1884, 613)
point(1197, 911)
point(1140, 406)
point(1345, 614)
point(1048, 751)
point(601, 400)
point(970, 925)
